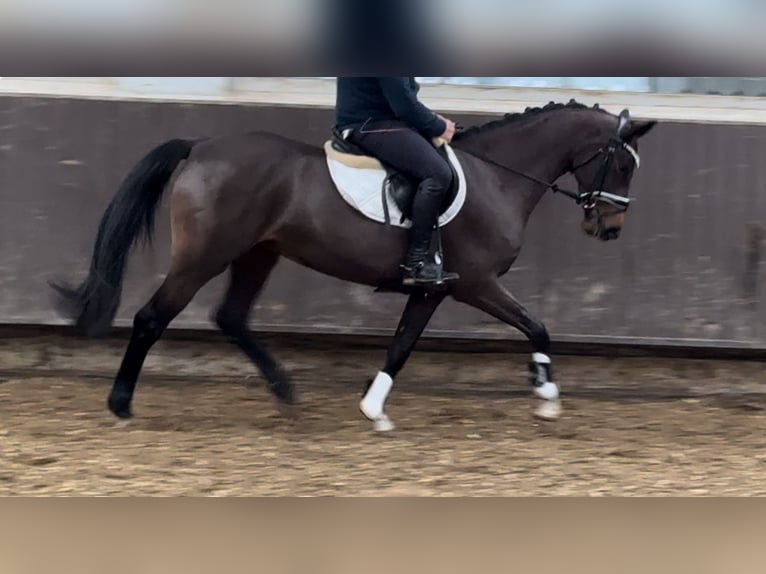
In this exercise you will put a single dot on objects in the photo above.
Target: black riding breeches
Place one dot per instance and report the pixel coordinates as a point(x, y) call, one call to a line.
point(405, 150)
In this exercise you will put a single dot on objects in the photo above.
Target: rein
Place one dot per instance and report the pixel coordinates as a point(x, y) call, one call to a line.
point(587, 199)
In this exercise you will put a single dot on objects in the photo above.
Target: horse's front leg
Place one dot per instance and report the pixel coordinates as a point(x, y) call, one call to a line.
point(420, 307)
point(494, 299)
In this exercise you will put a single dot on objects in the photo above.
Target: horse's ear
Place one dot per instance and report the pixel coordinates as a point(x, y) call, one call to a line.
point(623, 123)
point(638, 130)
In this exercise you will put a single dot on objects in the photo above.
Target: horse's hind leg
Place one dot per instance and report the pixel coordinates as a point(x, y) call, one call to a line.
point(149, 323)
point(495, 300)
point(418, 312)
point(248, 276)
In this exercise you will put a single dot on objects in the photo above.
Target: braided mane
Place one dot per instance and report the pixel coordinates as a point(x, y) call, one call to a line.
point(530, 112)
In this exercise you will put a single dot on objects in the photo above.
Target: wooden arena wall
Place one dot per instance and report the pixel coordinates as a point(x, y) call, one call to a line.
point(688, 269)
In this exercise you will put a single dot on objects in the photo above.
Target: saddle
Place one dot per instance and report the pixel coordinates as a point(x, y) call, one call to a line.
point(400, 188)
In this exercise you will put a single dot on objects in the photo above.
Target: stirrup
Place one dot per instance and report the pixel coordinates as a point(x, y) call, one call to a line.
point(434, 276)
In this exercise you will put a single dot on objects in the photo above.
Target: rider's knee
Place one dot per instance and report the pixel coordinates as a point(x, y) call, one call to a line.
point(440, 179)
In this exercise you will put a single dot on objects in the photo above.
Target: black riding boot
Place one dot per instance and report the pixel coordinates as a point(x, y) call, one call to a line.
point(419, 268)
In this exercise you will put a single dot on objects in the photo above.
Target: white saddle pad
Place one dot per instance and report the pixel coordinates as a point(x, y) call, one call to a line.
point(359, 180)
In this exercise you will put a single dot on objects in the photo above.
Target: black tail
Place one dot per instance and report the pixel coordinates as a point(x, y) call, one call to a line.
point(129, 216)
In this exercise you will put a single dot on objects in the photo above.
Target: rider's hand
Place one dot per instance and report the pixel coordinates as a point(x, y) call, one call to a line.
point(449, 132)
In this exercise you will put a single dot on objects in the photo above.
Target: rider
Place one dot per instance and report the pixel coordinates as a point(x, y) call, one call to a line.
point(386, 120)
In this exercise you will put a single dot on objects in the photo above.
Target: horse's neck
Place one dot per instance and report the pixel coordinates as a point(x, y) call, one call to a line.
point(539, 148)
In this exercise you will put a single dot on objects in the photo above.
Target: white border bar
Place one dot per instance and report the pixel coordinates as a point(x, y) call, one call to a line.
point(445, 98)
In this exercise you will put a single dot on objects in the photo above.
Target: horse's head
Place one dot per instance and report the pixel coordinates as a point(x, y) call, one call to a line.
point(604, 165)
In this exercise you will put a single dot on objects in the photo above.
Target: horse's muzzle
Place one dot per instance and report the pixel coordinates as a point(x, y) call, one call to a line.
point(610, 234)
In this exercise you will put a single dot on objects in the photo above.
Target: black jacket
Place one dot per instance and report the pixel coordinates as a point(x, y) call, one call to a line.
point(359, 100)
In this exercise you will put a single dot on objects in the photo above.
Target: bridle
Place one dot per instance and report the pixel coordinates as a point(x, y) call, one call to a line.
point(589, 199)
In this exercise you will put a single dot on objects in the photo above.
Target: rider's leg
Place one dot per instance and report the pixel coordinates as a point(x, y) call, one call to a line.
point(418, 267)
point(407, 151)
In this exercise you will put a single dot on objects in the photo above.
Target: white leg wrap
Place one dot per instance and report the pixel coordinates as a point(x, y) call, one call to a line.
point(549, 390)
point(372, 403)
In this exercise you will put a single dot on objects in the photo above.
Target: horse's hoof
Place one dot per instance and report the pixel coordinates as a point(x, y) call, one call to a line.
point(285, 393)
point(288, 411)
point(548, 410)
point(380, 420)
point(383, 424)
point(119, 405)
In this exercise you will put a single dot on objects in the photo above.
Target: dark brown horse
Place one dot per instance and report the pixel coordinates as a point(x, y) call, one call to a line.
point(242, 202)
